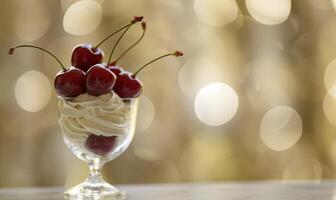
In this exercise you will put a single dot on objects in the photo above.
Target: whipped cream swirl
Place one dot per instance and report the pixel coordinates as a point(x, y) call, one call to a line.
point(105, 115)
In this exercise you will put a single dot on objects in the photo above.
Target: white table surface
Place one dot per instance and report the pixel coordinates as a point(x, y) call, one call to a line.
point(269, 190)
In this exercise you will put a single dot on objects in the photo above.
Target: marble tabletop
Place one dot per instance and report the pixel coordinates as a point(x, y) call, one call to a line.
point(269, 190)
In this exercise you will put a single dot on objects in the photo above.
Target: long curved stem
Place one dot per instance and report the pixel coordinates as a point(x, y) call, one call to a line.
point(133, 45)
point(115, 32)
point(135, 19)
point(145, 65)
point(11, 51)
point(116, 44)
point(176, 54)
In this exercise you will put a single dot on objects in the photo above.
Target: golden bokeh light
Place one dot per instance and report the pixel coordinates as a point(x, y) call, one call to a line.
point(330, 78)
point(32, 91)
point(269, 12)
point(31, 20)
point(216, 104)
point(281, 128)
point(65, 4)
point(334, 4)
point(196, 73)
point(329, 108)
point(82, 17)
point(216, 12)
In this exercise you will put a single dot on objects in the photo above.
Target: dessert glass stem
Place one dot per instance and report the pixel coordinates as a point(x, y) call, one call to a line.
point(94, 187)
point(95, 169)
point(95, 172)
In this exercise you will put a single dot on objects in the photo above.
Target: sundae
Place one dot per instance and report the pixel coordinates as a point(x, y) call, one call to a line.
point(97, 106)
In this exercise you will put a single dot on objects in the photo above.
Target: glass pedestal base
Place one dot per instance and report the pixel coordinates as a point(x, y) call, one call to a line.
point(94, 190)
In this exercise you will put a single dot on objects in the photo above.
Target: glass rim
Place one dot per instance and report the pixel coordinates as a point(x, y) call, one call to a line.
point(72, 98)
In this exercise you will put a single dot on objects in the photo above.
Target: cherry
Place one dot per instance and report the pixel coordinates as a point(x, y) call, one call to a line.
point(101, 145)
point(69, 82)
point(99, 80)
point(129, 86)
point(85, 56)
point(115, 69)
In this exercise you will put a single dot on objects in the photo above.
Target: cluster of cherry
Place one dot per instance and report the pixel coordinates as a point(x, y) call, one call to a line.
point(89, 74)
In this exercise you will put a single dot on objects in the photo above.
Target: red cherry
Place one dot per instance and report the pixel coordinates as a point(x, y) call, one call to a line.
point(127, 85)
point(99, 80)
point(101, 145)
point(70, 83)
point(85, 56)
point(115, 69)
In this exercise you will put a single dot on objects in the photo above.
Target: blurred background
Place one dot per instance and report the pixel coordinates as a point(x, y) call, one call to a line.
point(253, 98)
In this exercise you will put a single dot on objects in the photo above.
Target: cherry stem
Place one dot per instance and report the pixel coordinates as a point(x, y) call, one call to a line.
point(116, 44)
point(143, 25)
point(11, 51)
point(133, 21)
point(176, 54)
point(107, 37)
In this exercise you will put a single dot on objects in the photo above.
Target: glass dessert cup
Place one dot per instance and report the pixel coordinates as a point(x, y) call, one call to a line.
point(97, 130)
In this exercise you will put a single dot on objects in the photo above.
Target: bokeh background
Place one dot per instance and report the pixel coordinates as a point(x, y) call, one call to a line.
point(253, 98)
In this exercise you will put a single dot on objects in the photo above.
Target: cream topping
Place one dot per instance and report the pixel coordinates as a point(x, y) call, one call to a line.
point(106, 115)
